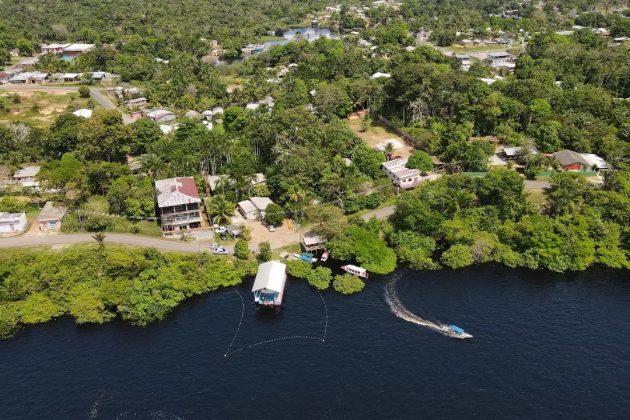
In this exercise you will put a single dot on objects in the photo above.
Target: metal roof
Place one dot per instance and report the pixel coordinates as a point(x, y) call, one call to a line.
point(568, 157)
point(28, 172)
point(176, 192)
point(271, 276)
point(50, 211)
point(261, 203)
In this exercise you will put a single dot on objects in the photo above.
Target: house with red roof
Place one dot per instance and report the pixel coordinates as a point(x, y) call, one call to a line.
point(179, 205)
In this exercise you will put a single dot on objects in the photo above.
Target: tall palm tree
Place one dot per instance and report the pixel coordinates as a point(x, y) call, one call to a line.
point(221, 209)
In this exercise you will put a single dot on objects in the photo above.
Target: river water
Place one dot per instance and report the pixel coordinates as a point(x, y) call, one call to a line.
point(544, 346)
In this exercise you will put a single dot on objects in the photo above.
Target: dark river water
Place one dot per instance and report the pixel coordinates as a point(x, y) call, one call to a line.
point(544, 346)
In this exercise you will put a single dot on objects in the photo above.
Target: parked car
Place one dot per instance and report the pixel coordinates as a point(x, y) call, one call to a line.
point(271, 228)
point(223, 236)
point(218, 249)
point(220, 229)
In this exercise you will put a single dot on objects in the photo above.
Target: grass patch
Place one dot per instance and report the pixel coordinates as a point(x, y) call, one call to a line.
point(39, 108)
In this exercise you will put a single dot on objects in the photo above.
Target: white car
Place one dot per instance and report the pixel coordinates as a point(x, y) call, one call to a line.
point(220, 229)
point(271, 228)
point(219, 250)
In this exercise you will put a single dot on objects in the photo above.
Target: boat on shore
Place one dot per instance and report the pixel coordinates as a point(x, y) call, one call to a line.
point(325, 256)
point(355, 270)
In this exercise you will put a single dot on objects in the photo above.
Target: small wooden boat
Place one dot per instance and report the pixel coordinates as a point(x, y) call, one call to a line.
point(325, 256)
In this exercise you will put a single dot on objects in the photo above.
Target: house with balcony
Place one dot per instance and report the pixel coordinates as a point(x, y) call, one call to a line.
point(179, 205)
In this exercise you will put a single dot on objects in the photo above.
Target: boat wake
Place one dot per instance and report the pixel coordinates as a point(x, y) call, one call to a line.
point(401, 311)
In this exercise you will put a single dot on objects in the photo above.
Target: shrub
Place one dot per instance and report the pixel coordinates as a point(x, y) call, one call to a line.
point(458, 256)
point(298, 268)
point(347, 284)
point(84, 92)
point(420, 160)
point(241, 249)
point(319, 278)
point(264, 252)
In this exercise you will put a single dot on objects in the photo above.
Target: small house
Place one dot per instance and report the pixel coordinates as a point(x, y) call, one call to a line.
point(71, 77)
point(49, 218)
point(161, 115)
point(254, 208)
point(12, 222)
point(571, 161)
point(136, 103)
point(269, 284)
point(248, 210)
point(52, 48)
point(401, 176)
point(313, 242)
point(27, 177)
point(74, 50)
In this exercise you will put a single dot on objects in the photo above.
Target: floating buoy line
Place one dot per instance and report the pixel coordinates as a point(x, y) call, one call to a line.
point(230, 352)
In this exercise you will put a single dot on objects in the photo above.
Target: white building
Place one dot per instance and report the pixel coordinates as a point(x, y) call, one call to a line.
point(27, 177)
point(29, 77)
point(401, 176)
point(12, 222)
point(53, 48)
point(500, 60)
point(269, 284)
point(254, 208)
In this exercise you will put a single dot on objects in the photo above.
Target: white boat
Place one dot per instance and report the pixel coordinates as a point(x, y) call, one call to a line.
point(454, 331)
point(325, 256)
point(355, 270)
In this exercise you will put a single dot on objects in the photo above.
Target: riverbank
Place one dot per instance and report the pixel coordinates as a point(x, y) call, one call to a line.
point(95, 284)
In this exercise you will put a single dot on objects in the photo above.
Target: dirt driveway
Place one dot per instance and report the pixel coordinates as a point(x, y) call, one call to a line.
point(283, 236)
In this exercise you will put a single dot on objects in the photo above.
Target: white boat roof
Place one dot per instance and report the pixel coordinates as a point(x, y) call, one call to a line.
point(271, 276)
point(355, 268)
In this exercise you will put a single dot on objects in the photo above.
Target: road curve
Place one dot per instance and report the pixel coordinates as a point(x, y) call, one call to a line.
point(98, 95)
point(27, 241)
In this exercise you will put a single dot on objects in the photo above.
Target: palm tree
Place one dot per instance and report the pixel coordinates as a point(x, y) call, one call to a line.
point(221, 209)
point(152, 164)
point(99, 237)
point(388, 150)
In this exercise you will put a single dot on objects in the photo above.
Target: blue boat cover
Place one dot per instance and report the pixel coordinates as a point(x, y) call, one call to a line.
point(456, 329)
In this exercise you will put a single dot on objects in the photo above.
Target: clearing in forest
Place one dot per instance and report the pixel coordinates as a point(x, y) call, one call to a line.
point(378, 135)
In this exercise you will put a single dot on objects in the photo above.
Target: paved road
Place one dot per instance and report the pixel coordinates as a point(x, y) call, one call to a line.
point(104, 101)
point(26, 241)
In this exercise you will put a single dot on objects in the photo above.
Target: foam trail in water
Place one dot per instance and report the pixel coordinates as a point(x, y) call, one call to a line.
point(401, 311)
